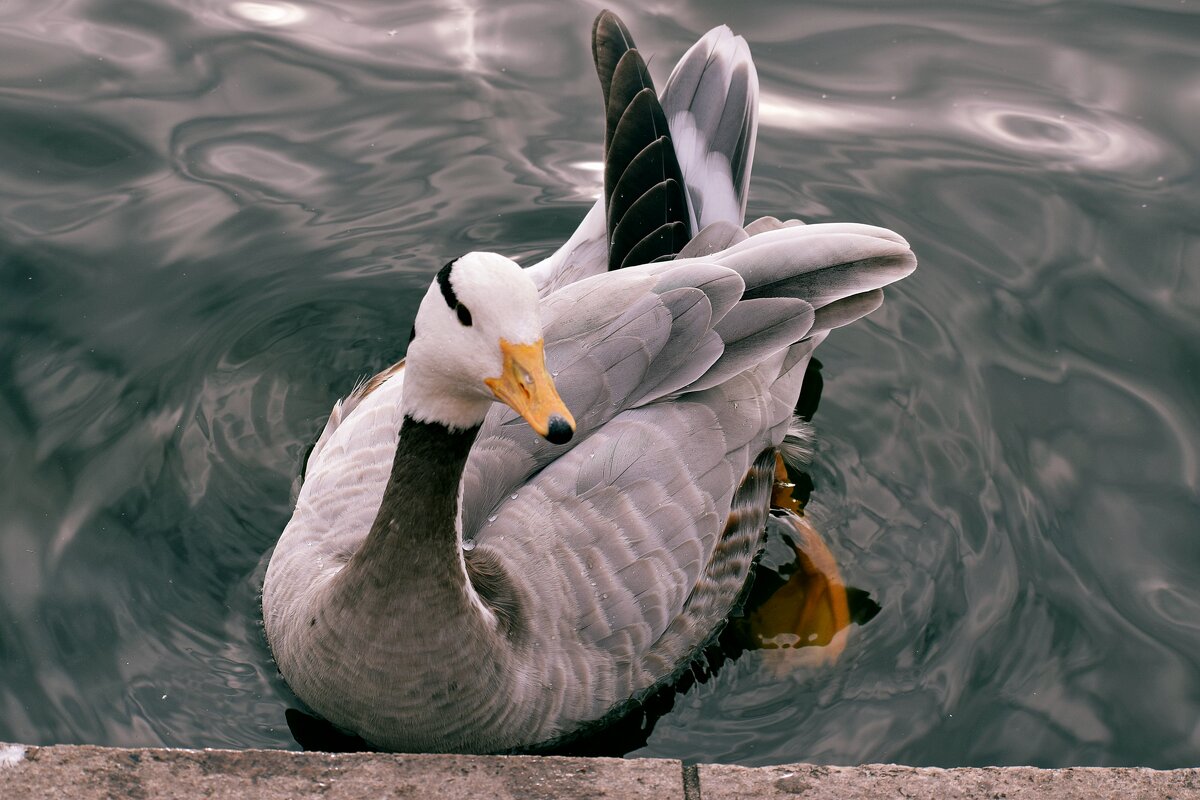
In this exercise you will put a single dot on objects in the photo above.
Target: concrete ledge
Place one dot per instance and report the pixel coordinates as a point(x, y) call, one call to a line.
point(85, 773)
point(721, 782)
point(92, 773)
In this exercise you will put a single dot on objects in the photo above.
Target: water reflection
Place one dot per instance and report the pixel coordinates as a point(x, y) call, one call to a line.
point(1049, 136)
point(1057, 138)
point(275, 13)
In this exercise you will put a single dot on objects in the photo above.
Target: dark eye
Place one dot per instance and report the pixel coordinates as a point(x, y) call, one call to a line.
point(464, 316)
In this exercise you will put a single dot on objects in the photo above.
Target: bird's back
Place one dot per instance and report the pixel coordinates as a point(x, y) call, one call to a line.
point(630, 545)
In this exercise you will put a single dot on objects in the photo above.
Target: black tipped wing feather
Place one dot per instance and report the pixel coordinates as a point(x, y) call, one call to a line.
point(610, 40)
point(661, 244)
point(646, 204)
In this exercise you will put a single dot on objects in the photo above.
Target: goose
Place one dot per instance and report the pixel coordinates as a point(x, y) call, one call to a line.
point(552, 504)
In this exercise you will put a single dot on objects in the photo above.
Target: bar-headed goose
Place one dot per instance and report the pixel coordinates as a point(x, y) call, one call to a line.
point(552, 505)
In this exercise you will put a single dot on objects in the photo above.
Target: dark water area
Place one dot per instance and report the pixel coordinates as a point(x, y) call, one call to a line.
point(216, 216)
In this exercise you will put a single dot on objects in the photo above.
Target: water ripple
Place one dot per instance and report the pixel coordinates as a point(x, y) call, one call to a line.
point(217, 215)
point(1056, 138)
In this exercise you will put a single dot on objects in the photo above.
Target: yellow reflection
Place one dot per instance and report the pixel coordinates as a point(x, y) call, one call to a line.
point(811, 610)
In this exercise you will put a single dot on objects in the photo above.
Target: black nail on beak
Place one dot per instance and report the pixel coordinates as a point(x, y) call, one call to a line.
point(560, 431)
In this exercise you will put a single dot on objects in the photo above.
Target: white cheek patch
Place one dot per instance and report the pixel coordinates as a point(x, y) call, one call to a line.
point(501, 296)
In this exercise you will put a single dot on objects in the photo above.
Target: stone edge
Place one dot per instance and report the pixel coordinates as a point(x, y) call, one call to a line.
point(85, 772)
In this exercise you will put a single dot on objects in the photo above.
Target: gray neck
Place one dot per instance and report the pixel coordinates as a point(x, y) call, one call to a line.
point(413, 545)
point(402, 622)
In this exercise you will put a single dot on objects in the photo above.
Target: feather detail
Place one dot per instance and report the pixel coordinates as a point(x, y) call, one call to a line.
point(798, 443)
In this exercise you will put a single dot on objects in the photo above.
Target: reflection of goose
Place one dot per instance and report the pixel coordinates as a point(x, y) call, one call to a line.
point(473, 586)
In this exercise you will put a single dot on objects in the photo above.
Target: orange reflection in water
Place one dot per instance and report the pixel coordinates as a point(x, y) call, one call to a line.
point(811, 609)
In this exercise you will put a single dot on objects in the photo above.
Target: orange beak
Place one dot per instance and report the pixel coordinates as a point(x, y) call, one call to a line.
point(526, 387)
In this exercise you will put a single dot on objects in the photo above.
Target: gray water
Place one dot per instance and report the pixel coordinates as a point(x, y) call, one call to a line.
point(216, 216)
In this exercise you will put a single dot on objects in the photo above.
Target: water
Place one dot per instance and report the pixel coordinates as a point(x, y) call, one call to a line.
point(215, 216)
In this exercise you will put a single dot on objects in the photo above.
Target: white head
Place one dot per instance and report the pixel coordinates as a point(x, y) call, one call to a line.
point(477, 339)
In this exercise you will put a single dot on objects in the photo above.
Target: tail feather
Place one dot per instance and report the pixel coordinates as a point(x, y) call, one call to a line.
point(647, 212)
point(710, 107)
point(711, 103)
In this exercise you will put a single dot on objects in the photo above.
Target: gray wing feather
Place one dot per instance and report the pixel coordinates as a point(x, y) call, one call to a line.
point(696, 346)
point(847, 310)
point(722, 286)
point(755, 330)
point(764, 224)
point(713, 238)
point(817, 264)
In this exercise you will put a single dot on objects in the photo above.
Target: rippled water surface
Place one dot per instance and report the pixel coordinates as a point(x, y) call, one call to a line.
point(215, 216)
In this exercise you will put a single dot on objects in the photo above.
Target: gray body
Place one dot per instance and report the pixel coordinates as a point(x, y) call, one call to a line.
point(573, 579)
